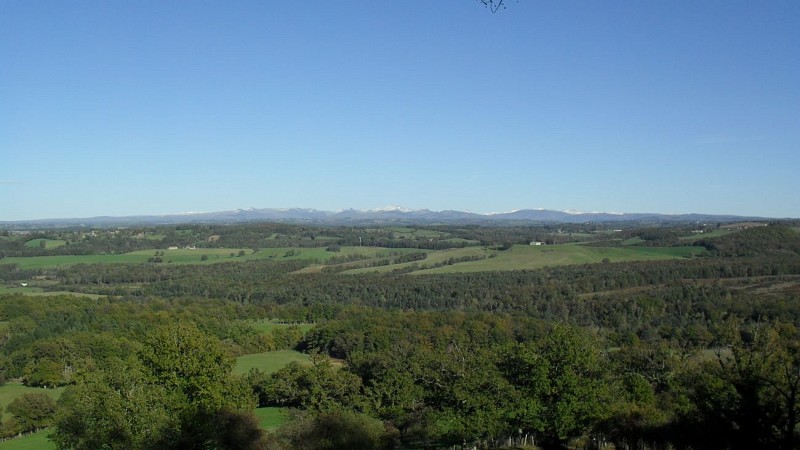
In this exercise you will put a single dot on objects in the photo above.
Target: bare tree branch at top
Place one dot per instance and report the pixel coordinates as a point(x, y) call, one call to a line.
point(493, 5)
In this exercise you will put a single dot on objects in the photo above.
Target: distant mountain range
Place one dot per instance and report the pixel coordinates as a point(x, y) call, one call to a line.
point(388, 215)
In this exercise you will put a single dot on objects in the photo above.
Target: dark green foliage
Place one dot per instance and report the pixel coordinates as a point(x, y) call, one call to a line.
point(334, 430)
point(238, 430)
point(176, 394)
point(639, 354)
point(51, 339)
point(758, 241)
point(32, 411)
point(317, 387)
point(749, 395)
point(118, 408)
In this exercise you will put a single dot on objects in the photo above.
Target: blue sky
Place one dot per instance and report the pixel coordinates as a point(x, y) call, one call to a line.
point(151, 107)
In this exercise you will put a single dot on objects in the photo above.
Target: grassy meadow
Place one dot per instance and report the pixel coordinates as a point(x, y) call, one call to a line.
point(269, 362)
point(179, 256)
point(706, 235)
point(195, 256)
point(33, 441)
point(45, 243)
point(37, 291)
point(524, 257)
point(271, 417)
point(12, 390)
point(519, 257)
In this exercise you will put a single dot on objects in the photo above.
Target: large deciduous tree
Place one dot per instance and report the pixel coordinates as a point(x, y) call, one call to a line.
point(750, 393)
point(576, 390)
point(178, 393)
point(32, 411)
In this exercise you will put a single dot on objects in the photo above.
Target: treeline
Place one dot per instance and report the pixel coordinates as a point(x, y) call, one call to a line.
point(434, 377)
point(699, 353)
point(47, 342)
point(265, 281)
point(760, 241)
point(491, 380)
point(398, 258)
point(82, 241)
point(588, 295)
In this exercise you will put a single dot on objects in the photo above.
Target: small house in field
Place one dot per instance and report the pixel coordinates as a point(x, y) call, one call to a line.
point(536, 243)
point(173, 247)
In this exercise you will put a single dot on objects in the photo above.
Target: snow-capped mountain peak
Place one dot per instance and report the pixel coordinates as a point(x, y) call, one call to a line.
point(391, 208)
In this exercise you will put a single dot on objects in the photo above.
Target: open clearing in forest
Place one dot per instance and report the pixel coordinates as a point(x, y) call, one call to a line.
point(434, 257)
point(34, 441)
point(37, 291)
point(195, 256)
point(706, 235)
point(179, 256)
point(48, 243)
point(269, 362)
point(271, 417)
point(527, 257)
point(518, 257)
point(13, 389)
point(522, 257)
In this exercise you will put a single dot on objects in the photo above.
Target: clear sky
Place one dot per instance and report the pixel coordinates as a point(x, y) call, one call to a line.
point(155, 107)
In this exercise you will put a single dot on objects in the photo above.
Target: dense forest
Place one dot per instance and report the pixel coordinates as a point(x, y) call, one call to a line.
point(693, 350)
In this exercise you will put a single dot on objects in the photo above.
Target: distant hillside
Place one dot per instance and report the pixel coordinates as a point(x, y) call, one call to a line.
point(393, 215)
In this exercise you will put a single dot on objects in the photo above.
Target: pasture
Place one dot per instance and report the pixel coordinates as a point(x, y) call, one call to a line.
point(706, 235)
point(415, 233)
point(12, 390)
point(524, 257)
point(37, 291)
point(179, 256)
point(519, 257)
point(33, 441)
point(271, 417)
point(45, 243)
point(196, 256)
point(268, 362)
point(434, 257)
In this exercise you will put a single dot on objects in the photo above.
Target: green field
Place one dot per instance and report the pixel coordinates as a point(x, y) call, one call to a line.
point(48, 243)
point(270, 417)
point(522, 257)
point(414, 233)
point(20, 290)
point(269, 362)
point(707, 235)
point(37, 291)
point(320, 254)
point(526, 257)
point(35, 441)
point(434, 257)
point(518, 258)
point(12, 390)
point(194, 256)
point(179, 256)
